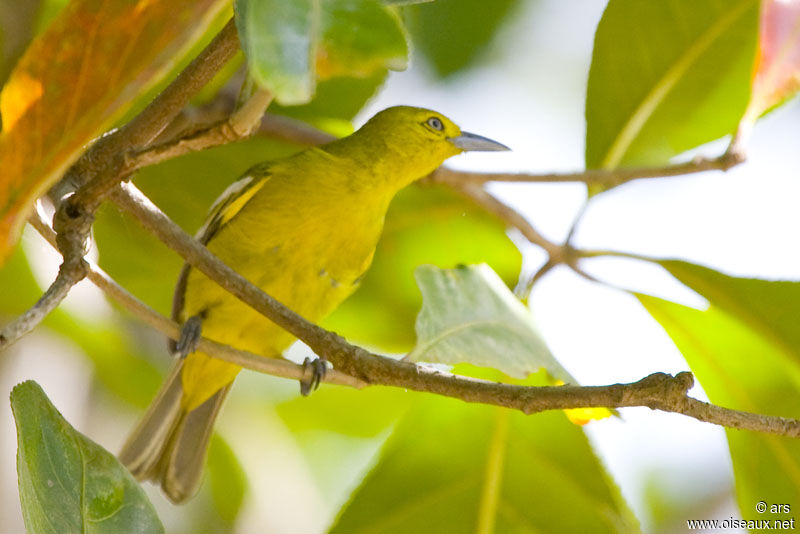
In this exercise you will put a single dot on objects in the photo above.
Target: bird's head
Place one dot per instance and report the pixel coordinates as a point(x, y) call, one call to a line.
point(418, 140)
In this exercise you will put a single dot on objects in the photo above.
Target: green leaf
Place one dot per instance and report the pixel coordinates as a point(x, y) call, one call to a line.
point(741, 369)
point(278, 39)
point(667, 76)
point(454, 34)
point(429, 225)
point(469, 316)
point(494, 471)
point(289, 45)
point(770, 308)
point(360, 37)
point(68, 483)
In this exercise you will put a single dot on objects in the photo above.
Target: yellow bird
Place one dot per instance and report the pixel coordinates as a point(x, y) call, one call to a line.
point(304, 229)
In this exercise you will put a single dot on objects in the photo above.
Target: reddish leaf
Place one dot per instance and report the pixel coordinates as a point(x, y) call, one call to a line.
point(776, 75)
point(75, 79)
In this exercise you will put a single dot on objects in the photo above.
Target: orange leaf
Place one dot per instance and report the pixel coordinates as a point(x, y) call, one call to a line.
point(776, 74)
point(76, 79)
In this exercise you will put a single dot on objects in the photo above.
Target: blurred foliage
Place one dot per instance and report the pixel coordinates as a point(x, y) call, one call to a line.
point(118, 363)
point(68, 483)
point(289, 45)
point(349, 425)
point(679, 78)
point(456, 467)
point(226, 479)
point(453, 35)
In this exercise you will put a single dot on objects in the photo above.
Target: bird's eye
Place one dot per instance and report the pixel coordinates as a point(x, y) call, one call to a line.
point(436, 123)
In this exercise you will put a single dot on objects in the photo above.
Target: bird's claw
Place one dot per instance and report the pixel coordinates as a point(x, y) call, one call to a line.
point(318, 368)
point(190, 334)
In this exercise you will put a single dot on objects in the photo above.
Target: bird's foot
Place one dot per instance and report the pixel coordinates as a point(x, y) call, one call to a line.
point(190, 334)
point(317, 368)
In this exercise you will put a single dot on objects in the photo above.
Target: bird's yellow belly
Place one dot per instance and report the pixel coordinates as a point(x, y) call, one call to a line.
point(311, 273)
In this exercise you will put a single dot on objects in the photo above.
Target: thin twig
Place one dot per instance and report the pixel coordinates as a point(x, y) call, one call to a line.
point(68, 276)
point(658, 391)
point(608, 178)
point(292, 130)
point(242, 124)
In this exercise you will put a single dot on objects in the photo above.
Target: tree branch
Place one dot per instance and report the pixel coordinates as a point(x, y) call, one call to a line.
point(69, 274)
point(241, 125)
point(607, 178)
point(658, 391)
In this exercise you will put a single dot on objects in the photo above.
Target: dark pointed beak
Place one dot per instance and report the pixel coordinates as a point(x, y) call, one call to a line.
point(470, 142)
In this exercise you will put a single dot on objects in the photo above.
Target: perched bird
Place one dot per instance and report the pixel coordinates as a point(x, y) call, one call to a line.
point(304, 229)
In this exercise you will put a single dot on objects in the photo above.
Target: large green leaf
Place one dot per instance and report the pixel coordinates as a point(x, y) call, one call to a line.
point(454, 467)
point(454, 34)
point(771, 308)
point(739, 368)
point(68, 483)
point(430, 225)
point(278, 39)
point(469, 316)
point(667, 76)
point(289, 45)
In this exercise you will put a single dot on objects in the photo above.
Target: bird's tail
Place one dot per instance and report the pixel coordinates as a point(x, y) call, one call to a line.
point(169, 444)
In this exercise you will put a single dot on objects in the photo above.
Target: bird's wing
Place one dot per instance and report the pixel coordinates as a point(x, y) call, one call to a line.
point(227, 205)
